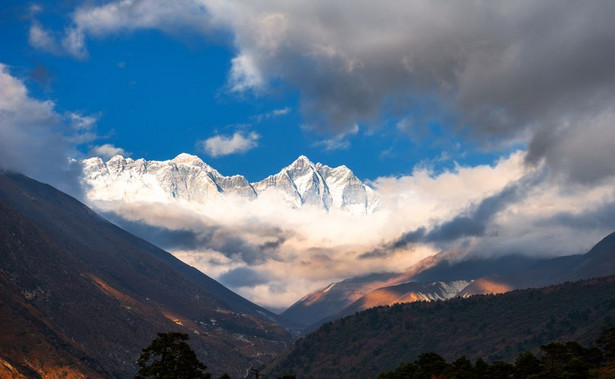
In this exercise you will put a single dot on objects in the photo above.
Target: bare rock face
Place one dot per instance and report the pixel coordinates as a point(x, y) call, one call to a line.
point(187, 178)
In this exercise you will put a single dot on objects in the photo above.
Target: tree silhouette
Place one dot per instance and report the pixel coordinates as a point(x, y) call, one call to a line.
point(607, 342)
point(527, 365)
point(169, 356)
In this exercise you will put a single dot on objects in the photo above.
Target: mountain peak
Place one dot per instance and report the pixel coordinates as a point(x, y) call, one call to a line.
point(116, 158)
point(186, 158)
point(302, 159)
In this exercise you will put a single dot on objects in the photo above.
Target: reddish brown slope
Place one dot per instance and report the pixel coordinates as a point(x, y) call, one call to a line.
point(95, 295)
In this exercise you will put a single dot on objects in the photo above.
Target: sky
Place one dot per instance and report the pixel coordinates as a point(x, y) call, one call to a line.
point(488, 126)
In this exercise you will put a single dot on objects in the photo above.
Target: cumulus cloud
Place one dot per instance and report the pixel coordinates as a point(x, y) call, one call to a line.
point(40, 38)
point(129, 15)
point(221, 145)
point(107, 151)
point(37, 140)
point(245, 75)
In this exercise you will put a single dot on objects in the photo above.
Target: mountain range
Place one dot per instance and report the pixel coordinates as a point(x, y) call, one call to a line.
point(80, 297)
point(442, 277)
point(490, 327)
point(186, 178)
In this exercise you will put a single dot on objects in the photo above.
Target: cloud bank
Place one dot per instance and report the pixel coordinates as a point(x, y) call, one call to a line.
point(221, 145)
point(39, 141)
point(274, 255)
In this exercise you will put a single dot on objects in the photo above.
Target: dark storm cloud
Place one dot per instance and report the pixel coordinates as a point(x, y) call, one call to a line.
point(228, 241)
point(167, 239)
point(475, 222)
point(242, 277)
point(599, 218)
point(497, 70)
point(472, 222)
point(273, 245)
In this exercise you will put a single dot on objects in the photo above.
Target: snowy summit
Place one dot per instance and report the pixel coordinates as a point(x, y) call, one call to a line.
point(187, 178)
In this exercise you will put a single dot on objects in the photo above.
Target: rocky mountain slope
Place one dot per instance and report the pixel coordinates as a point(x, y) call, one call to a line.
point(187, 178)
point(356, 294)
point(80, 296)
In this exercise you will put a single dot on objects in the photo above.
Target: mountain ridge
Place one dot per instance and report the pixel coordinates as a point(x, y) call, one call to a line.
point(187, 178)
point(483, 276)
point(491, 327)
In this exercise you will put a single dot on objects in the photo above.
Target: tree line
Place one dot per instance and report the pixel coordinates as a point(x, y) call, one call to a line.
point(557, 360)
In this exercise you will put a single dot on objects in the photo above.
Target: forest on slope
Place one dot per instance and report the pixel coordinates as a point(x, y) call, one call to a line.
point(492, 327)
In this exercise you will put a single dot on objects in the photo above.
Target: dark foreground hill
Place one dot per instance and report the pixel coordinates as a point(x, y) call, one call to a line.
point(81, 297)
point(494, 327)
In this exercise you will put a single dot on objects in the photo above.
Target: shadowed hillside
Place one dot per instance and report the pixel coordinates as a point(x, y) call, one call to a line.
point(78, 293)
point(495, 327)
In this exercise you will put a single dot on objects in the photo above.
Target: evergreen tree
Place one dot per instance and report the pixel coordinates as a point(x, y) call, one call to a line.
point(169, 356)
point(527, 365)
point(480, 368)
point(607, 343)
point(500, 370)
point(430, 365)
point(462, 368)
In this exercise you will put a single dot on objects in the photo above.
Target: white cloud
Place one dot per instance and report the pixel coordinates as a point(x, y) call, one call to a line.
point(40, 38)
point(37, 140)
point(107, 151)
point(127, 15)
point(280, 112)
point(74, 43)
point(272, 114)
point(221, 145)
point(244, 75)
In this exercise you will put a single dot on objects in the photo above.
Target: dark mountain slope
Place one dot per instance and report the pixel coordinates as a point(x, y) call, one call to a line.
point(98, 294)
point(495, 327)
point(599, 261)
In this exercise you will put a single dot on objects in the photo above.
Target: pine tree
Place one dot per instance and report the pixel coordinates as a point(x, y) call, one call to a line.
point(169, 356)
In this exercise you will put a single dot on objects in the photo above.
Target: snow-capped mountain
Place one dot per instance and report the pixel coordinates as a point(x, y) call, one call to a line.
point(187, 178)
point(306, 183)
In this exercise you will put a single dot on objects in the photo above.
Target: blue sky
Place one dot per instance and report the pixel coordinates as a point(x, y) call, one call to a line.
point(156, 94)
